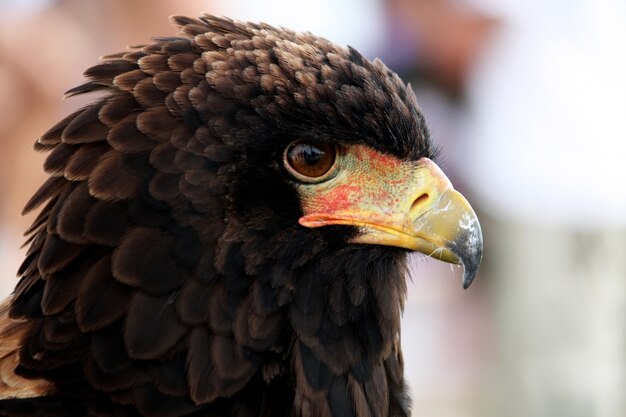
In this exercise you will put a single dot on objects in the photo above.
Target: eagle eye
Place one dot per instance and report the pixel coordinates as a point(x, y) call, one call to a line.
point(310, 161)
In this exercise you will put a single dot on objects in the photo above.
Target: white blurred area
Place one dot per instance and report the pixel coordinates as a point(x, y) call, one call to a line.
point(546, 114)
point(527, 99)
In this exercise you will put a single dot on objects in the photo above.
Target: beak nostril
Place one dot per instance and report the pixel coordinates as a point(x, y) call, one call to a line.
point(419, 200)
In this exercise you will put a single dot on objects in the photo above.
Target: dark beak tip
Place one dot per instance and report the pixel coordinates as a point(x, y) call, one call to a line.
point(467, 280)
point(471, 263)
point(470, 254)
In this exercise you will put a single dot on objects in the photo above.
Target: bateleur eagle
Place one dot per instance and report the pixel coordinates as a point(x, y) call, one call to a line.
point(225, 232)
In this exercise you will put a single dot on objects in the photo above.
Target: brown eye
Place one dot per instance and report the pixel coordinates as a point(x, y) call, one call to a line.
point(309, 161)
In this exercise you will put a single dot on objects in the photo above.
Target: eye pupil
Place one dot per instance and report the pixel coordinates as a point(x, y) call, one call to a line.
point(311, 155)
point(310, 161)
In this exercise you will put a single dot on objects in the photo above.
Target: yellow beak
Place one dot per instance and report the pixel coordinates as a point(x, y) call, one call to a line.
point(398, 203)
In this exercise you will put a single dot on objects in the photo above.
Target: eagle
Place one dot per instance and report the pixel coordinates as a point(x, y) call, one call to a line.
point(225, 232)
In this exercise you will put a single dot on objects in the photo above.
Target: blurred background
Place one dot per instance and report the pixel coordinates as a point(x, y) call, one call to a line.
point(528, 102)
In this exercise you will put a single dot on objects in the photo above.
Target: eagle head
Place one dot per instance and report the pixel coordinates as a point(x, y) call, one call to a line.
point(225, 231)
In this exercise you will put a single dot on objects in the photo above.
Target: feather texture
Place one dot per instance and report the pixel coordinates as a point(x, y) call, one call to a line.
point(167, 274)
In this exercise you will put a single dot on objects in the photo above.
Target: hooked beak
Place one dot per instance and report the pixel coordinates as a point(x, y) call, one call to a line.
point(398, 203)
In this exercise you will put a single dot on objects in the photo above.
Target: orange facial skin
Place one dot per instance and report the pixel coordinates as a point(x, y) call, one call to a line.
point(408, 204)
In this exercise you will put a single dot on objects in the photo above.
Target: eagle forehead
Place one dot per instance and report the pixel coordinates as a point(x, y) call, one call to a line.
point(300, 81)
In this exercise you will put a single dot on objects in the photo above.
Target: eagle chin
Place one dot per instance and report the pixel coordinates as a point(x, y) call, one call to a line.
point(224, 232)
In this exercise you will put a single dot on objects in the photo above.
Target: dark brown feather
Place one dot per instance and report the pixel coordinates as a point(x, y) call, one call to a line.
point(193, 303)
point(163, 157)
point(169, 376)
point(200, 367)
point(61, 289)
point(108, 70)
point(164, 187)
point(111, 181)
point(106, 223)
point(157, 123)
point(117, 107)
point(151, 328)
point(114, 382)
point(182, 61)
point(230, 361)
point(144, 259)
point(101, 300)
point(58, 158)
point(53, 135)
point(48, 191)
point(126, 138)
point(73, 213)
point(109, 350)
point(56, 254)
point(128, 80)
point(83, 161)
point(167, 81)
point(85, 127)
point(147, 94)
point(153, 64)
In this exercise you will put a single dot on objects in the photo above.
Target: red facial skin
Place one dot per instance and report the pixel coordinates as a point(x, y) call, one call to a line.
point(369, 185)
